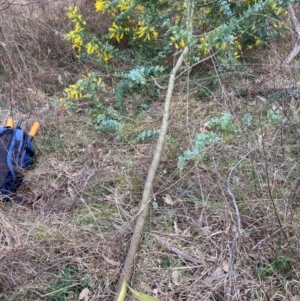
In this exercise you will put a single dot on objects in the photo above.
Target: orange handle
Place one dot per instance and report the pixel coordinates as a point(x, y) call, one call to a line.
point(10, 122)
point(34, 129)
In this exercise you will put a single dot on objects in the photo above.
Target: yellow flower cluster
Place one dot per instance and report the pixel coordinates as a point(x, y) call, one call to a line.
point(177, 42)
point(63, 103)
point(92, 48)
point(76, 35)
point(232, 45)
point(277, 9)
point(142, 31)
point(145, 32)
point(256, 43)
point(79, 35)
point(207, 11)
point(74, 91)
point(117, 32)
point(125, 5)
point(237, 46)
point(73, 13)
point(101, 5)
point(204, 46)
point(77, 90)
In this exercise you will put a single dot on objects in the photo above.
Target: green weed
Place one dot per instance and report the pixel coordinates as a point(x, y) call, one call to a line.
point(64, 284)
point(281, 264)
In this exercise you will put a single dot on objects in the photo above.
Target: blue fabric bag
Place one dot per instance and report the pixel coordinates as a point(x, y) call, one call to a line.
point(16, 154)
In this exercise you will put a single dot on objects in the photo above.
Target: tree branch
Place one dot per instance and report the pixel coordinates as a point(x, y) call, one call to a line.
point(239, 224)
point(296, 29)
point(145, 202)
point(146, 198)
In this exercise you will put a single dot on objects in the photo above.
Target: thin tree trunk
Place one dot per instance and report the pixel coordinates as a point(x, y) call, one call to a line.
point(296, 29)
point(146, 199)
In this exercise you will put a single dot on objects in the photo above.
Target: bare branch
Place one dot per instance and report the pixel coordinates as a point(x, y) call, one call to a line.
point(5, 4)
point(146, 198)
point(239, 224)
point(145, 202)
point(296, 29)
point(294, 20)
point(175, 250)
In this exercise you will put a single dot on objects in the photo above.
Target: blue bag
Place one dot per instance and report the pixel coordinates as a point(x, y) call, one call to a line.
point(16, 154)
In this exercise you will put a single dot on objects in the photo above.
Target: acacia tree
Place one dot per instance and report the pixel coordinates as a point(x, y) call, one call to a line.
point(155, 31)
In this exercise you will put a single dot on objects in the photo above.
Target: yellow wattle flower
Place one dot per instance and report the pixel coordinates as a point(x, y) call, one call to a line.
point(101, 5)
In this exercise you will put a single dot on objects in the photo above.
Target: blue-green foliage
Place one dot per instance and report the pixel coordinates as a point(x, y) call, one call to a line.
point(91, 87)
point(226, 7)
point(121, 89)
point(200, 144)
point(147, 135)
point(222, 124)
point(274, 117)
point(135, 78)
point(140, 75)
point(247, 119)
point(109, 125)
point(108, 120)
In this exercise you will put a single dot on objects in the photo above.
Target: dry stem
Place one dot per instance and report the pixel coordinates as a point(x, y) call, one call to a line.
point(145, 203)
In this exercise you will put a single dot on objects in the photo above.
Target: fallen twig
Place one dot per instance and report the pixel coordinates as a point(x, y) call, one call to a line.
point(175, 250)
point(239, 224)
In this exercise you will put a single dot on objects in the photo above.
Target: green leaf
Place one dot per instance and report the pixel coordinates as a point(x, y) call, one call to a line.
point(140, 296)
point(123, 291)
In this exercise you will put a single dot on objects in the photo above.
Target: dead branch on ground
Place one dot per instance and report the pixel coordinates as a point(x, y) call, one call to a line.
point(146, 198)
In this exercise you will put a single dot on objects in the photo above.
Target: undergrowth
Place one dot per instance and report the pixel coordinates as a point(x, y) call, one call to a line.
point(87, 182)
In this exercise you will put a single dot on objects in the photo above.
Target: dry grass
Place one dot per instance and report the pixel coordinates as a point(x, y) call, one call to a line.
point(86, 186)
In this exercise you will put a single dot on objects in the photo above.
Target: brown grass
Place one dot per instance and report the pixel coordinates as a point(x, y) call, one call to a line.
point(86, 186)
